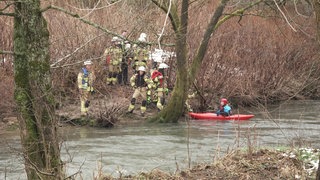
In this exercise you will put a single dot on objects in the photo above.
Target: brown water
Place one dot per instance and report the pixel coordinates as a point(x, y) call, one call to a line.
point(132, 149)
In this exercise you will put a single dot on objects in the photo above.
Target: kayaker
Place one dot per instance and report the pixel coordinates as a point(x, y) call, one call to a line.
point(224, 109)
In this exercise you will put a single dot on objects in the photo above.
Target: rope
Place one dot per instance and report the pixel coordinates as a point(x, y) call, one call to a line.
point(164, 24)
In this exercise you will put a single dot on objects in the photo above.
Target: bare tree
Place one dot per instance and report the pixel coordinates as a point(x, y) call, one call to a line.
point(186, 75)
point(38, 124)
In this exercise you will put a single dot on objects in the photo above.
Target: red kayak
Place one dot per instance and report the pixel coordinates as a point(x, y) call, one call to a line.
point(213, 116)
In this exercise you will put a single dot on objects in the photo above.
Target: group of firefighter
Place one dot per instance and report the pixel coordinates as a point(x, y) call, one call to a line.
point(148, 79)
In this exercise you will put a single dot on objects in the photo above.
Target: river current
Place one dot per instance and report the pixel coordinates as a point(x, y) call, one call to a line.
point(143, 147)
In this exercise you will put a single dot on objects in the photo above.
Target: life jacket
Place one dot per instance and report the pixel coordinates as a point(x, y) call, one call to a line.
point(85, 78)
point(221, 108)
point(225, 110)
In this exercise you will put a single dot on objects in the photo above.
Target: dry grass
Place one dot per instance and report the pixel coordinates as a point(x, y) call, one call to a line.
point(261, 164)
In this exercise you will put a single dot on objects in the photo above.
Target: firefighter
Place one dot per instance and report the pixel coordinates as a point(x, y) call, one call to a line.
point(162, 67)
point(127, 56)
point(159, 86)
point(140, 53)
point(139, 82)
point(113, 57)
point(86, 79)
point(126, 60)
point(189, 97)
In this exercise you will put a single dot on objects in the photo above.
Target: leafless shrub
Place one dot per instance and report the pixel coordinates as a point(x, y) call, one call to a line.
point(108, 113)
point(109, 117)
point(254, 60)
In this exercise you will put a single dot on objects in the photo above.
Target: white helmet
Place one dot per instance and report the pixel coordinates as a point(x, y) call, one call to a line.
point(142, 68)
point(163, 66)
point(142, 39)
point(115, 39)
point(143, 35)
point(88, 62)
point(127, 46)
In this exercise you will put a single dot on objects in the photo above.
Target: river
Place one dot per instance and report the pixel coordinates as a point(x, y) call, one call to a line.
point(135, 148)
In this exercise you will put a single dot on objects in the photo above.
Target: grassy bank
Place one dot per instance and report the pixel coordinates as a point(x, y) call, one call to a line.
point(260, 164)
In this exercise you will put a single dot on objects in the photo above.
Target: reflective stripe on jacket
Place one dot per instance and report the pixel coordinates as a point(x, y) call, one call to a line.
point(85, 80)
point(141, 54)
point(115, 54)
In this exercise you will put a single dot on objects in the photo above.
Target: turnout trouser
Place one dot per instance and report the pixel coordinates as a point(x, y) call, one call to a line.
point(113, 73)
point(84, 102)
point(140, 91)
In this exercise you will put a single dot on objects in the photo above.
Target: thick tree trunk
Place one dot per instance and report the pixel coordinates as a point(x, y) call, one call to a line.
point(175, 108)
point(38, 124)
point(317, 12)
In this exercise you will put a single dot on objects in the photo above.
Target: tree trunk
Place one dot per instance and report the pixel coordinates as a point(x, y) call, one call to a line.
point(38, 124)
point(173, 111)
point(175, 108)
point(317, 12)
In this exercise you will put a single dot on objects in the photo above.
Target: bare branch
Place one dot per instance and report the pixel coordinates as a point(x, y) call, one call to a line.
point(205, 41)
point(93, 9)
point(238, 12)
point(7, 14)
point(75, 63)
point(172, 13)
point(77, 49)
point(35, 167)
point(6, 7)
point(296, 9)
point(284, 16)
point(77, 16)
point(97, 8)
point(6, 52)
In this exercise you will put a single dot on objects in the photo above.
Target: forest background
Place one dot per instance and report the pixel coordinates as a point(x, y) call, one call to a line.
point(252, 59)
point(266, 54)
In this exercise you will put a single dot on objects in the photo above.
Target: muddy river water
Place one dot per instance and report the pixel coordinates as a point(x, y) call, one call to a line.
point(143, 147)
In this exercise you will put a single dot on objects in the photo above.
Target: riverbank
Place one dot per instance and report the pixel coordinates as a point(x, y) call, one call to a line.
point(259, 164)
point(9, 124)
